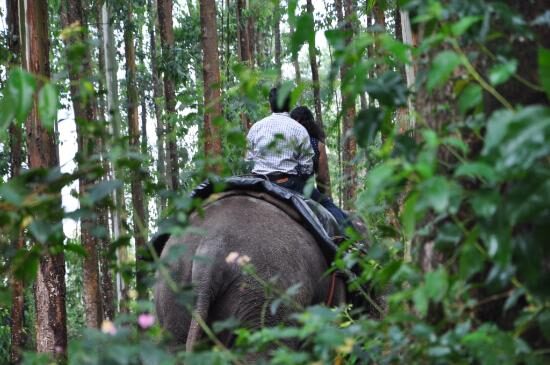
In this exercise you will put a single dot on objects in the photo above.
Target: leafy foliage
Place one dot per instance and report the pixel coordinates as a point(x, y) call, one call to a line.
point(457, 208)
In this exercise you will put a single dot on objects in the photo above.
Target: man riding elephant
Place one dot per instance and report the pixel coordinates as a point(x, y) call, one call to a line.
point(279, 147)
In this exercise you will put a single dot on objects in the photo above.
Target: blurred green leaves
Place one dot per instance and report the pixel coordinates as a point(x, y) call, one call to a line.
point(17, 98)
point(443, 65)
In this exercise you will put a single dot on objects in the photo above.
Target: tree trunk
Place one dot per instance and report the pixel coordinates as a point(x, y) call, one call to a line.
point(51, 317)
point(138, 212)
point(295, 62)
point(211, 77)
point(407, 37)
point(16, 160)
point(105, 277)
point(111, 69)
point(153, 27)
point(244, 51)
point(277, 31)
point(325, 188)
point(228, 37)
point(84, 112)
point(348, 112)
point(164, 8)
point(252, 37)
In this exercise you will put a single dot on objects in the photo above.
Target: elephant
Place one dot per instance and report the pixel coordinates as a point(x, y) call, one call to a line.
point(277, 247)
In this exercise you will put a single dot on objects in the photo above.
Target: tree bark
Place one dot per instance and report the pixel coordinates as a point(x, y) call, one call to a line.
point(111, 69)
point(348, 111)
point(244, 52)
point(295, 61)
point(51, 317)
point(84, 112)
point(105, 278)
point(211, 77)
point(164, 8)
point(277, 35)
point(153, 27)
point(16, 160)
point(324, 187)
point(138, 211)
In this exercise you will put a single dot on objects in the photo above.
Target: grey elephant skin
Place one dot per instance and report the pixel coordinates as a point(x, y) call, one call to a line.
point(277, 247)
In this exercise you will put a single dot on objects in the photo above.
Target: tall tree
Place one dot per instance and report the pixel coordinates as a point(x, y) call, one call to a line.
point(138, 213)
point(105, 277)
point(277, 35)
point(295, 61)
point(324, 187)
point(345, 15)
point(211, 77)
point(111, 70)
point(164, 8)
point(152, 27)
point(84, 113)
point(16, 160)
point(244, 50)
point(51, 316)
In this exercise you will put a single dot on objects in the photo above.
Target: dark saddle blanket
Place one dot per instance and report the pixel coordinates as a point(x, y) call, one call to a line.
point(316, 219)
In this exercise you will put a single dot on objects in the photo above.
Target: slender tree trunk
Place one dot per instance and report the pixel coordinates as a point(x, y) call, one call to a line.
point(295, 61)
point(111, 69)
point(244, 51)
point(138, 214)
point(348, 111)
point(227, 39)
point(380, 21)
point(167, 43)
point(84, 112)
point(153, 27)
point(211, 77)
point(277, 31)
point(252, 36)
point(16, 160)
point(325, 188)
point(105, 278)
point(51, 316)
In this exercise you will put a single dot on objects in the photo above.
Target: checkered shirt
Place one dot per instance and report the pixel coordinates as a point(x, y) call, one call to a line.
point(279, 144)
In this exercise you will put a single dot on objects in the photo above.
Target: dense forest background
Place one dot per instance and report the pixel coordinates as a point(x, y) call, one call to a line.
point(438, 134)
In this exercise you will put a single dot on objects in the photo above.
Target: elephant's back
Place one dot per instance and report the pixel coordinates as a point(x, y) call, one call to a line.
point(260, 230)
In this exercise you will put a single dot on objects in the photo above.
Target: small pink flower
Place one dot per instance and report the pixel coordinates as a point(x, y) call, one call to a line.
point(146, 320)
point(108, 327)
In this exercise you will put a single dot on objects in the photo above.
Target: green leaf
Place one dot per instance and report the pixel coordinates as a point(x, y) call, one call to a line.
point(476, 169)
point(470, 98)
point(421, 300)
point(464, 24)
point(47, 105)
point(470, 261)
point(544, 69)
point(437, 284)
point(399, 50)
point(7, 113)
point(500, 73)
point(389, 89)
point(515, 140)
point(305, 32)
point(21, 86)
point(484, 203)
point(442, 67)
point(367, 124)
point(408, 216)
point(435, 193)
point(544, 323)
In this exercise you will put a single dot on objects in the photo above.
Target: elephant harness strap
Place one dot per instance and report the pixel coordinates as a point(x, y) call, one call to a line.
point(331, 290)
